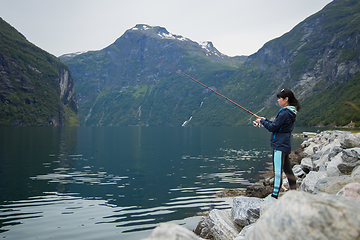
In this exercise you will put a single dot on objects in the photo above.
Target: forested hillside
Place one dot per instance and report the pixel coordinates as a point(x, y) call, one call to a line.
point(36, 89)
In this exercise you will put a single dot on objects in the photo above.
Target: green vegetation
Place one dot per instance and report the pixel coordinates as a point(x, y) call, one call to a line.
point(143, 91)
point(335, 106)
point(348, 55)
point(121, 86)
point(30, 91)
point(299, 64)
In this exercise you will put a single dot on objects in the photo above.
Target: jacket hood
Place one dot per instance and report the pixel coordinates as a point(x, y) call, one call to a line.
point(292, 108)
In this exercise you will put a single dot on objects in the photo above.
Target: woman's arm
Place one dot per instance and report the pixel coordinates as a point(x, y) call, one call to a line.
point(274, 126)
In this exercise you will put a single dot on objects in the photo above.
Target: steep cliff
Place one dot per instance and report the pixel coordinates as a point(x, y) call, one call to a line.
point(36, 89)
point(319, 54)
point(323, 47)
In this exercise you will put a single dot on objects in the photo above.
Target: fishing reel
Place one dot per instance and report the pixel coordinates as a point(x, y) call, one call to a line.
point(255, 124)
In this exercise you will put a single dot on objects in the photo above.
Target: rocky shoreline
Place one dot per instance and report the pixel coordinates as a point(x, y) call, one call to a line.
point(325, 206)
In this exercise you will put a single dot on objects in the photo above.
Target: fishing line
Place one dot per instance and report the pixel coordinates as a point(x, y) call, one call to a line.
point(200, 83)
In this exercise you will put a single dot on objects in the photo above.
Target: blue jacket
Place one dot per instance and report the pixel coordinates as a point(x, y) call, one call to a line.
point(281, 128)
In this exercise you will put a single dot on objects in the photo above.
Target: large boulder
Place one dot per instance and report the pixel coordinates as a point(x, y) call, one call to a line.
point(300, 215)
point(351, 159)
point(351, 141)
point(324, 183)
point(246, 210)
point(351, 190)
point(335, 187)
point(332, 169)
point(309, 182)
point(172, 231)
point(218, 225)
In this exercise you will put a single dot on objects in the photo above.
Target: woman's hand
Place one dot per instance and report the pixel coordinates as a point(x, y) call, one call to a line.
point(258, 119)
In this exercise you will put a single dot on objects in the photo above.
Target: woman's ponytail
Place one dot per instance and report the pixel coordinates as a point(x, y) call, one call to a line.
point(296, 104)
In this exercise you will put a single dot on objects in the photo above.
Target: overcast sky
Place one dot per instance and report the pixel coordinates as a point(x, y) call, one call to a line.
point(236, 27)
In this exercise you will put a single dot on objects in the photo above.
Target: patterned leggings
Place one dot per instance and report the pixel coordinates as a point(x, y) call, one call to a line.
point(281, 162)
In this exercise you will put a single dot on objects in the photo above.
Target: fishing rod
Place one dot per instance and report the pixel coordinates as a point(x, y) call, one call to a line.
point(200, 83)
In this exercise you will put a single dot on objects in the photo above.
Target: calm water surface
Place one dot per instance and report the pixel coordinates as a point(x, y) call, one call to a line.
point(121, 182)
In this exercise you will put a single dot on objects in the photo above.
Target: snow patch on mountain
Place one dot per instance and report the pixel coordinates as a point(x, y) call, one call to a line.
point(205, 45)
point(164, 34)
point(161, 32)
point(211, 50)
point(68, 56)
point(168, 35)
point(142, 27)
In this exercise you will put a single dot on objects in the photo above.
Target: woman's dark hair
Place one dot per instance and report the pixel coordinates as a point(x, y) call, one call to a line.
point(291, 98)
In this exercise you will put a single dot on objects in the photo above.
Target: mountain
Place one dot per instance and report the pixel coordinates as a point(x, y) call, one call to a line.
point(36, 89)
point(318, 59)
point(123, 85)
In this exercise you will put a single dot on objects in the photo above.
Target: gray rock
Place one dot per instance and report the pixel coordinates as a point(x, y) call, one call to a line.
point(351, 190)
point(324, 156)
point(172, 231)
point(307, 164)
point(326, 182)
point(337, 186)
point(300, 215)
point(351, 141)
point(316, 156)
point(347, 168)
point(332, 154)
point(332, 169)
point(309, 182)
point(356, 171)
point(351, 159)
point(242, 234)
point(218, 225)
point(305, 144)
point(310, 149)
point(267, 204)
point(351, 155)
point(298, 171)
point(245, 210)
point(335, 151)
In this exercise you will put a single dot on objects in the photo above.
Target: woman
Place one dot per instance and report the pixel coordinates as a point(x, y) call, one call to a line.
point(281, 129)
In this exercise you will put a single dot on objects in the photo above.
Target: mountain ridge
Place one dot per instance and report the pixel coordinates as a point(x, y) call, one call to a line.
point(125, 67)
point(129, 88)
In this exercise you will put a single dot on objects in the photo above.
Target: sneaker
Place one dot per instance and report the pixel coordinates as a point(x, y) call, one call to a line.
point(269, 198)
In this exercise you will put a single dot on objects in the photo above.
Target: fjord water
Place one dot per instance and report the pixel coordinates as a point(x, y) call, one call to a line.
point(121, 182)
